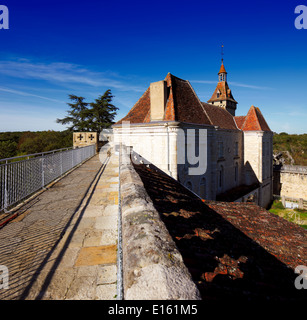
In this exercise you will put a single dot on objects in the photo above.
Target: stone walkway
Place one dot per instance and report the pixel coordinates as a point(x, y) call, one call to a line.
point(63, 246)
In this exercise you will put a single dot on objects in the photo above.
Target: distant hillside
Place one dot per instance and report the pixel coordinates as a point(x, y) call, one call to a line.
point(295, 144)
point(19, 143)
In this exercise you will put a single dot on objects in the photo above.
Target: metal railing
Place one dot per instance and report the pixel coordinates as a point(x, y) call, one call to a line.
point(22, 176)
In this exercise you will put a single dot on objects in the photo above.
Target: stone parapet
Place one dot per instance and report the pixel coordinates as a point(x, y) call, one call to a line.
point(294, 169)
point(153, 268)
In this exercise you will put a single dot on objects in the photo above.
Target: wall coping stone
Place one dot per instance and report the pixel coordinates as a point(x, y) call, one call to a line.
point(153, 268)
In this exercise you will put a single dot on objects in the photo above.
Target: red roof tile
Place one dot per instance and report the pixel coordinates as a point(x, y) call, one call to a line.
point(254, 121)
point(232, 250)
point(224, 93)
point(139, 113)
point(187, 106)
point(222, 69)
point(219, 116)
point(239, 121)
point(182, 105)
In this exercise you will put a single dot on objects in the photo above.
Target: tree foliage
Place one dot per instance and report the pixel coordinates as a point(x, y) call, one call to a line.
point(93, 116)
point(296, 144)
point(19, 143)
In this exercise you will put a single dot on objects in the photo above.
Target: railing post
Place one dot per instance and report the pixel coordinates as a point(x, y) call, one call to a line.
point(61, 154)
point(5, 186)
point(72, 157)
point(43, 172)
point(16, 184)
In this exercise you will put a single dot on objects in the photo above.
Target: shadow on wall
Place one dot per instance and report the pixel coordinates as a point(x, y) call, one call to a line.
point(276, 180)
point(250, 176)
point(223, 261)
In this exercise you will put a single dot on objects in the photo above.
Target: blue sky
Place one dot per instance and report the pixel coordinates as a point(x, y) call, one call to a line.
point(56, 48)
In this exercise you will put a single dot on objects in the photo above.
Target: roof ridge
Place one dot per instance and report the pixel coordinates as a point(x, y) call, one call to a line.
point(135, 106)
point(220, 117)
point(261, 118)
point(255, 111)
point(178, 78)
point(169, 79)
point(199, 102)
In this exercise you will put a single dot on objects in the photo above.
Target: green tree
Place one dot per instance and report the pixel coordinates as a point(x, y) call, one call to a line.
point(77, 115)
point(102, 112)
point(7, 149)
point(98, 116)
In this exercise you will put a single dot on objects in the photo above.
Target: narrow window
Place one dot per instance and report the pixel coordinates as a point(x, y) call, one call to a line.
point(220, 150)
point(236, 172)
point(236, 148)
point(221, 177)
point(202, 188)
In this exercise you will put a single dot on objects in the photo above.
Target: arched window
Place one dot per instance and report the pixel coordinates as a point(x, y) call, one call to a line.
point(202, 188)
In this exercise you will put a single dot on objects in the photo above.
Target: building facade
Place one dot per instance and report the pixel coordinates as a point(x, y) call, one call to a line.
point(205, 146)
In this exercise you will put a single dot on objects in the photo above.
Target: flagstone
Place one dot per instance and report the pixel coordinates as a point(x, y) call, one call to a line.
point(90, 256)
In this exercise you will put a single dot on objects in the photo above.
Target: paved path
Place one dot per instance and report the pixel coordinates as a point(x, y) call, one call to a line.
point(64, 245)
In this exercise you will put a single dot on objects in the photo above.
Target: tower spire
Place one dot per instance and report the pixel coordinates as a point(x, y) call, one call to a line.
point(222, 73)
point(222, 95)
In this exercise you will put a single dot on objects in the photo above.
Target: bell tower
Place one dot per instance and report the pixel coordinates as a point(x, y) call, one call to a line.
point(222, 95)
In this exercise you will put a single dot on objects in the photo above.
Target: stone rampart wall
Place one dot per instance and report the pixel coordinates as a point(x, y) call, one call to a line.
point(291, 182)
point(153, 268)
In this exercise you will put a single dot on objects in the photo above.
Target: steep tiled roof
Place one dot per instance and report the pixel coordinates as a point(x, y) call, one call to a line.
point(219, 116)
point(254, 121)
point(232, 250)
point(182, 105)
point(139, 113)
point(239, 121)
point(187, 106)
point(224, 93)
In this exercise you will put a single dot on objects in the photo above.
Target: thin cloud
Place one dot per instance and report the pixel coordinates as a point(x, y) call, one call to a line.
point(61, 72)
point(244, 85)
point(235, 84)
point(203, 81)
point(22, 93)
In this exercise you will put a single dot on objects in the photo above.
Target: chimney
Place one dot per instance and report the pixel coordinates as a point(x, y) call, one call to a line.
point(158, 97)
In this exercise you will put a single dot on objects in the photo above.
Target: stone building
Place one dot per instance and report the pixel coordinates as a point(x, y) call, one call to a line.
point(290, 183)
point(205, 146)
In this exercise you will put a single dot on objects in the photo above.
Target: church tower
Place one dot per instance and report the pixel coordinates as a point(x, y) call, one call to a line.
point(222, 95)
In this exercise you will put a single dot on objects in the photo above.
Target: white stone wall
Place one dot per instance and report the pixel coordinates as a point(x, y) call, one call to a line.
point(153, 143)
point(252, 156)
point(169, 146)
point(258, 165)
point(293, 185)
point(163, 143)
